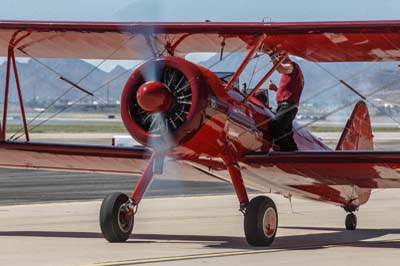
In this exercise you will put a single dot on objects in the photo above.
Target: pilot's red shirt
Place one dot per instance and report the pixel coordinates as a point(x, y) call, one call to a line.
point(290, 86)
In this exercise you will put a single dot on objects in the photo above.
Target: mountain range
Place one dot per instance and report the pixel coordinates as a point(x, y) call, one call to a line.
point(322, 80)
point(40, 78)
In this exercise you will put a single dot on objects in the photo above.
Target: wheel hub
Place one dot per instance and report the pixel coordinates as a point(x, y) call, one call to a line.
point(125, 218)
point(269, 222)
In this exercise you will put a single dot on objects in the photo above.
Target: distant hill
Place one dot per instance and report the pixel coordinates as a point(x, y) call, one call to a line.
point(369, 76)
point(38, 81)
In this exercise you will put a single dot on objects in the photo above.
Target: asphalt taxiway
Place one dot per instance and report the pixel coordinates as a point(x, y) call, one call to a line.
point(51, 218)
point(200, 230)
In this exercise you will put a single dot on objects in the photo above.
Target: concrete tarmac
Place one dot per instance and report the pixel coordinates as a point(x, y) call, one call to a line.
point(202, 230)
point(51, 218)
point(30, 186)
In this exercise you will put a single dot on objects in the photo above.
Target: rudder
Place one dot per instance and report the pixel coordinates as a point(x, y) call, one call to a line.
point(357, 134)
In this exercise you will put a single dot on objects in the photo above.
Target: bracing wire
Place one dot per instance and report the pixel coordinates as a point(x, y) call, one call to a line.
point(323, 90)
point(258, 70)
point(96, 67)
point(65, 80)
point(352, 76)
point(15, 137)
point(60, 75)
point(226, 56)
point(80, 99)
point(254, 70)
point(350, 88)
point(357, 93)
point(338, 109)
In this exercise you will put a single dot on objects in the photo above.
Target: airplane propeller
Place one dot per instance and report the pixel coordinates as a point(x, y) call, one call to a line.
point(160, 105)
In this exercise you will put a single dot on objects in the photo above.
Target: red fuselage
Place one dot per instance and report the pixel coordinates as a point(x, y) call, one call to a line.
point(217, 116)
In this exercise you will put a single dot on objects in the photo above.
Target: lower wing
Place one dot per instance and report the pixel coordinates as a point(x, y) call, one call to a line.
point(95, 159)
point(365, 169)
point(67, 157)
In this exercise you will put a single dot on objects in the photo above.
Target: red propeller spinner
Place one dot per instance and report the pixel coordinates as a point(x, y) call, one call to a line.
point(155, 97)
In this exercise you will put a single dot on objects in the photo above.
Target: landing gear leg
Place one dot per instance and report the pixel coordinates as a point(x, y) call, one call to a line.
point(117, 210)
point(260, 214)
point(230, 160)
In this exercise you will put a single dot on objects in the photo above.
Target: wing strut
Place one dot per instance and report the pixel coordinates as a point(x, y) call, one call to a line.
point(11, 60)
point(269, 73)
point(257, 43)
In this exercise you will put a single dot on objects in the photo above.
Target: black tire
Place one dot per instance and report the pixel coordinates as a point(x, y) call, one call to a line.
point(351, 221)
point(114, 225)
point(256, 234)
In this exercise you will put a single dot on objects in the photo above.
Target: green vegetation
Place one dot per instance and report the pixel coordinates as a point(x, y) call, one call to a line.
point(107, 127)
point(74, 128)
point(340, 129)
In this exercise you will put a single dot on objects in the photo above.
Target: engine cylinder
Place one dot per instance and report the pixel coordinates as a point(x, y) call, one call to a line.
point(181, 96)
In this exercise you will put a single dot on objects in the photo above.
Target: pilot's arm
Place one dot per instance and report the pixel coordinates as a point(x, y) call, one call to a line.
point(272, 86)
point(284, 68)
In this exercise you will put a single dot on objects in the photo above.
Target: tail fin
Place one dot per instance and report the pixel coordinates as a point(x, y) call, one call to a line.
point(357, 135)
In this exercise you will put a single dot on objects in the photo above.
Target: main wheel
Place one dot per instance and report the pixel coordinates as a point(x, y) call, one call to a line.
point(116, 219)
point(260, 221)
point(351, 221)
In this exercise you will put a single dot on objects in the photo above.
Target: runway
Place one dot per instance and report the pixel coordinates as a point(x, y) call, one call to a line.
point(30, 186)
point(51, 218)
point(201, 230)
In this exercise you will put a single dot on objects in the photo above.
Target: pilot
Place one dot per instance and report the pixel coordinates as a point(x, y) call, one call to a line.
point(288, 94)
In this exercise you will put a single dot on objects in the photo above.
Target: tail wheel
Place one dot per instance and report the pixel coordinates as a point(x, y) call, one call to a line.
point(116, 217)
point(351, 221)
point(260, 221)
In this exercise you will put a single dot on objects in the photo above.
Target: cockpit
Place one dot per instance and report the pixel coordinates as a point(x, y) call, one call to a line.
point(261, 97)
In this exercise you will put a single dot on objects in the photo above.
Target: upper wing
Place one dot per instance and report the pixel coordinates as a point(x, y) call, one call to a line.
point(316, 41)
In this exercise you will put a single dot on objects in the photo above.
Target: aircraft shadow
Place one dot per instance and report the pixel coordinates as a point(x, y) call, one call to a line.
point(328, 238)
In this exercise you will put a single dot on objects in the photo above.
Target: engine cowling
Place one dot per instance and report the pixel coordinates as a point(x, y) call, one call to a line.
point(164, 101)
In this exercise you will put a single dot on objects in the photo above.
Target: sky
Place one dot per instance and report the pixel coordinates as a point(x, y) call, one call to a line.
point(199, 10)
point(189, 10)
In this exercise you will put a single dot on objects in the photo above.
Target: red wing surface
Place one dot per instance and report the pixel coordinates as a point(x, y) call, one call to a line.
point(365, 169)
point(67, 157)
point(316, 41)
point(89, 158)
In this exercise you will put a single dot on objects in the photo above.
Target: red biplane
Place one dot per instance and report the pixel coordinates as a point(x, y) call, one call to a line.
point(178, 109)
